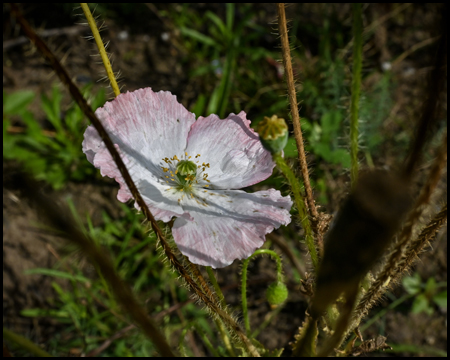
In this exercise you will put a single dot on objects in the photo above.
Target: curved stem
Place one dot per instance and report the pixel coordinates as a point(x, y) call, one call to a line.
point(300, 203)
point(101, 48)
point(244, 281)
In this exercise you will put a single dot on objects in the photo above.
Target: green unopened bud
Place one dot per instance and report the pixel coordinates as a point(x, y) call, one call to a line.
point(276, 294)
point(273, 133)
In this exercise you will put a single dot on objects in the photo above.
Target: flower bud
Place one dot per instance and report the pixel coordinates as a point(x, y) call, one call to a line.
point(276, 294)
point(273, 133)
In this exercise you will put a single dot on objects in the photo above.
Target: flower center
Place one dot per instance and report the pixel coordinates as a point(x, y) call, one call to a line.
point(186, 172)
point(185, 175)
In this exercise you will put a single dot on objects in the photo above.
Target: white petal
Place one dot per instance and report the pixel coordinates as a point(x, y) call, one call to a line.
point(231, 225)
point(236, 157)
point(146, 127)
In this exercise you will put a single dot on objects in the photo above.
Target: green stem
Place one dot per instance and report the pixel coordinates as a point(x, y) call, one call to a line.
point(214, 282)
point(206, 340)
point(300, 203)
point(356, 88)
point(219, 323)
point(24, 343)
point(244, 281)
point(101, 47)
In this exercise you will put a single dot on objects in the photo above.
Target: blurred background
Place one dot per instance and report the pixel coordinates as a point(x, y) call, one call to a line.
point(216, 58)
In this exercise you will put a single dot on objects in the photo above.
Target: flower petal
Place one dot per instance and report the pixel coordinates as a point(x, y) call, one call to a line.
point(236, 157)
point(228, 224)
point(146, 127)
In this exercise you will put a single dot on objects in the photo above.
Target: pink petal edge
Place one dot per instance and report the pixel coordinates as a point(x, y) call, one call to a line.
point(216, 237)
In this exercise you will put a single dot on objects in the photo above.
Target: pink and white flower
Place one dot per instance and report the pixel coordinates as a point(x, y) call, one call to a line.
point(191, 169)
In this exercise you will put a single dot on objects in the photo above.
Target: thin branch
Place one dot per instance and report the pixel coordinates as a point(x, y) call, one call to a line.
point(294, 112)
point(101, 48)
point(426, 235)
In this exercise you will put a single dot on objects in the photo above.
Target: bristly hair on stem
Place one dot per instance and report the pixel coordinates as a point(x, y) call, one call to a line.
point(301, 207)
point(311, 209)
point(101, 48)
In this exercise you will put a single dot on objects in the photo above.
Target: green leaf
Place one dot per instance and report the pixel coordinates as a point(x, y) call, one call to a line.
point(213, 105)
point(17, 102)
point(421, 304)
point(52, 108)
point(230, 16)
point(194, 34)
point(44, 312)
point(441, 299)
point(199, 105)
point(341, 156)
point(412, 284)
point(430, 286)
point(218, 22)
point(57, 274)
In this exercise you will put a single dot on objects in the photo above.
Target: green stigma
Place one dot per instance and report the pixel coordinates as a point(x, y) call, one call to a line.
point(186, 171)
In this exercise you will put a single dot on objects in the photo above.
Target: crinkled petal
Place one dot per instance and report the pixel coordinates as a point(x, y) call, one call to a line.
point(228, 224)
point(236, 157)
point(146, 127)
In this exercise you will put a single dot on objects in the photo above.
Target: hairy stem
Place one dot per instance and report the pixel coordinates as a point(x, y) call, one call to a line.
point(356, 87)
point(101, 48)
point(294, 110)
point(223, 333)
point(300, 203)
point(244, 281)
point(427, 234)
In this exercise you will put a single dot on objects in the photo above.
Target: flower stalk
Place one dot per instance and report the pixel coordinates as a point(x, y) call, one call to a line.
point(101, 48)
point(245, 263)
point(294, 110)
point(300, 203)
point(219, 324)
